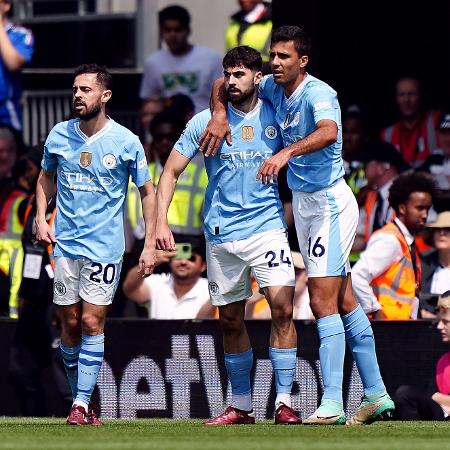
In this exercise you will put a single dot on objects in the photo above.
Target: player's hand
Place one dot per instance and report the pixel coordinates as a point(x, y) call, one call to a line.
point(211, 139)
point(147, 261)
point(164, 237)
point(44, 234)
point(271, 167)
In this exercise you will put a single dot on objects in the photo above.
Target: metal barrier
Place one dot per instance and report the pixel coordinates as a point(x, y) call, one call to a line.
point(42, 110)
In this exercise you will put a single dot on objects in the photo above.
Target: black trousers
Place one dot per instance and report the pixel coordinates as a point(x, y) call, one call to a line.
point(411, 403)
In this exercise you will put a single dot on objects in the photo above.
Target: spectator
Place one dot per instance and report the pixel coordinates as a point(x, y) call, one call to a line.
point(16, 49)
point(387, 276)
point(252, 26)
point(355, 136)
point(182, 67)
point(412, 403)
point(12, 194)
point(382, 164)
point(414, 134)
point(436, 263)
point(31, 351)
point(181, 105)
point(178, 295)
point(8, 155)
point(438, 163)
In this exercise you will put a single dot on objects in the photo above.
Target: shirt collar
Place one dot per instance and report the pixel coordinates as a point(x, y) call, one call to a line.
point(408, 236)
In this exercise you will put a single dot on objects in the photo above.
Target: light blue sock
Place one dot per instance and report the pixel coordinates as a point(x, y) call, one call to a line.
point(70, 359)
point(332, 353)
point(283, 363)
point(238, 367)
point(359, 335)
point(89, 363)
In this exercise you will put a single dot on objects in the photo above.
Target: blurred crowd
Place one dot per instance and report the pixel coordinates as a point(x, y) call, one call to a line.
point(176, 84)
point(392, 278)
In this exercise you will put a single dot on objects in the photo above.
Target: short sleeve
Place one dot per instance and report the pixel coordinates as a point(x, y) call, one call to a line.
point(324, 105)
point(23, 41)
point(267, 88)
point(138, 164)
point(149, 83)
point(49, 161)
point(187, 144)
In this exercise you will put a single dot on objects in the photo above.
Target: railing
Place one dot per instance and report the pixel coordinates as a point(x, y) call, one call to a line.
point(44, 109)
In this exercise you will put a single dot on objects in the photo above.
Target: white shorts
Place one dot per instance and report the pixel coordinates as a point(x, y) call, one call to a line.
point(326, 223)
point(230, 264)
point(82, 279)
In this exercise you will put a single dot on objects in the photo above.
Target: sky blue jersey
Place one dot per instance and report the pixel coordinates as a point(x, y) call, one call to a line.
point(92, 180)
point(297, 116)
point(236, 205)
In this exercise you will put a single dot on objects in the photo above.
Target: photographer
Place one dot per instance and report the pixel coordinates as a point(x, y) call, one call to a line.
point(176, 295)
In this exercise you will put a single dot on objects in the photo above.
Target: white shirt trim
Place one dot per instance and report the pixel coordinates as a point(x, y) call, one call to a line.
point(246, 115)
point(90, 139)
point(289, 100)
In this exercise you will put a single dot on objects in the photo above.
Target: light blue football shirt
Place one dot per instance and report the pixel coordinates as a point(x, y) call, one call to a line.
point(297, 116)
point(92, 180)
point(236, 205)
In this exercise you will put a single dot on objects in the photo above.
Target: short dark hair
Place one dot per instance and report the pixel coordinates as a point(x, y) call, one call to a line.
point(302, 42)
point(404, 185)
point(167, 116)
point(104, 78)
point(244, 56)
point(175, 12)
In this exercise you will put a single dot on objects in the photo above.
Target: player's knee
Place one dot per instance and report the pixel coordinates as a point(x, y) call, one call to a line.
point(90, 323)
point(282, 315)
point(231, 325)
point(72, 325)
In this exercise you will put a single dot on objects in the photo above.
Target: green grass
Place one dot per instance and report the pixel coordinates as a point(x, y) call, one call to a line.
point(159, 434)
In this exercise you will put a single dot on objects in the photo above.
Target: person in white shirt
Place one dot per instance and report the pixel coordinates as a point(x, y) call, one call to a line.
point(176, 295)
point(181, 67)
point(387, 275)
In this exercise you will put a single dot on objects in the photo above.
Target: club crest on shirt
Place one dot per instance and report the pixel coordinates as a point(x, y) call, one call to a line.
point(287, 119)
point(213, 288)
point(109, 161)
point(271, 132)
point(296, 118)
point(59, 288)
point(85, 159)
point(248, 133)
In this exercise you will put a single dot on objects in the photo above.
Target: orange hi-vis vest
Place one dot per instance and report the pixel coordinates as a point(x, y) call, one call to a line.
point(369, 205)
point(396, 288)
point(417, 144)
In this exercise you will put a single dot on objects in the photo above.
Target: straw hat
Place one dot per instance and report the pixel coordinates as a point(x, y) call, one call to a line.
point(442, 221)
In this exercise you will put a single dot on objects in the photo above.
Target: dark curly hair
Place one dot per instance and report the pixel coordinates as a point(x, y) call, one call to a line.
point(404, 185)
point(104, 78)
point(243, 56)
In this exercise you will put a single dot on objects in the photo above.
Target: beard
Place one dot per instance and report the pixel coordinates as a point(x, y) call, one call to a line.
point(89, 113)
point(242, 98)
